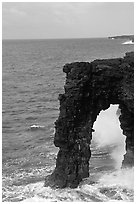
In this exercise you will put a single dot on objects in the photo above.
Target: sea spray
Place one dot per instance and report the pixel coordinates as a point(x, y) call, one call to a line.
point(123, 178)
point(108, 133)
point(118, 155)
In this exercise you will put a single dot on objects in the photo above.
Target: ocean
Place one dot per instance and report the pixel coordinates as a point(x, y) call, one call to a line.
point(32, 79)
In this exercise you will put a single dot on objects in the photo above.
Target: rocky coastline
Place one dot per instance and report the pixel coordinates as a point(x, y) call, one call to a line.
point(90, 88)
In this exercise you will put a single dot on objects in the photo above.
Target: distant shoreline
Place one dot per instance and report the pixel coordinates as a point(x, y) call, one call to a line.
point(128, 37)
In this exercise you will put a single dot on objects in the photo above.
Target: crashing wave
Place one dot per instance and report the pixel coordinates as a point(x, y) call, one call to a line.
point(113, 186)
point(128, 42)
point(106, 187)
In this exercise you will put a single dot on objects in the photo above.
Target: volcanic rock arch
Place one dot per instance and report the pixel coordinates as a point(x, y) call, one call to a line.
point(90, 88)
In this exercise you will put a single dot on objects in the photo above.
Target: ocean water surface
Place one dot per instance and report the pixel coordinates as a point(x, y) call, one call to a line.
point(32, 79)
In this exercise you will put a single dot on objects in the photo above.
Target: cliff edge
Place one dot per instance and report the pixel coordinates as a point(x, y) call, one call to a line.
point(90, 88)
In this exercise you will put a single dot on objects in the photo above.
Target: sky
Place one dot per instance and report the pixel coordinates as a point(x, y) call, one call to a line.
point(27, 20)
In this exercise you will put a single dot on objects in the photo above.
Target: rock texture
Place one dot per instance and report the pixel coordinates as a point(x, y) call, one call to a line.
point(90, 88)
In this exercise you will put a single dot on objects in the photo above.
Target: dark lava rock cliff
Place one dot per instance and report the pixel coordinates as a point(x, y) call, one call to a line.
point(90, 88)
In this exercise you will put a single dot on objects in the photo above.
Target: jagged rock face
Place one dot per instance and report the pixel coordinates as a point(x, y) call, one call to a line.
point(90, 88)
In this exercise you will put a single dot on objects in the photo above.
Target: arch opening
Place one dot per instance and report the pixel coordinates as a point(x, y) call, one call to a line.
point(109, 136)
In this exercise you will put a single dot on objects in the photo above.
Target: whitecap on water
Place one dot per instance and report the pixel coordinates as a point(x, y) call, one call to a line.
point(36, 127)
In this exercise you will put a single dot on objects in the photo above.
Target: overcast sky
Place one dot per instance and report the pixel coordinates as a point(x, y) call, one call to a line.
point(66, 20)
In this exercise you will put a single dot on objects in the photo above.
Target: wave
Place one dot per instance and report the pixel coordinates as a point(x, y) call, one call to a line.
point(128, 42)
point(114, 186)
point(103, 187)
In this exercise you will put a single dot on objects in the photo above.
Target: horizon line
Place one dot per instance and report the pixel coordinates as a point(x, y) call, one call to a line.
point(63, 38)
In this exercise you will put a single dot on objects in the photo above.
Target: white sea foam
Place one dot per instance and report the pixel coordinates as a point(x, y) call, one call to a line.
point(128, 42)
point(114, 186)
point(121, 178)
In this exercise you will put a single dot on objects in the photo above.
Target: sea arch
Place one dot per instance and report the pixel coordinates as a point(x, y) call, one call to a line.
point(90, 88)
point(109, 140)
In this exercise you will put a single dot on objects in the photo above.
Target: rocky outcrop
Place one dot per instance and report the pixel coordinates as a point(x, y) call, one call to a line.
point(90, 88)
